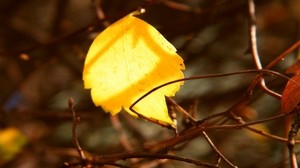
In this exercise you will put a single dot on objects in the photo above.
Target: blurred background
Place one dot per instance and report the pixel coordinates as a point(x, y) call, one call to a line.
point(42, 50)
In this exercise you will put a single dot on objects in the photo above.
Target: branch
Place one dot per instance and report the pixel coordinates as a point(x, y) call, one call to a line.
point(113, 158)
point(254, 50)
point(291, 139)
point(216, 150)
point(76, 120)
point(196, 131)
point(260, 71)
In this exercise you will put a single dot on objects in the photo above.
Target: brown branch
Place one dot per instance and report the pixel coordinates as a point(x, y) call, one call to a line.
point(181, 110)
point(196, 131)
point(283, 55)
point(111, 159)
point(262, 71)
point(116, 157)
point(254, 48)
point(121, 135)
point(179, 6)
point(216, 150)
point(292, 138)
point(76, 120)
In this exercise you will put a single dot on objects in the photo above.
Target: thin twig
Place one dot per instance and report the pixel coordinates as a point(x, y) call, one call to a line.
point(283, 55)
point(268, 135)
point(216, 149)
point(179, 6)
point(196, 131)
point(112, 158)
point(76, 120)
point(123, 138)
point(254, 49)
point(262, 71)
point(291, 139)
point(180, 109)
point(253, 40)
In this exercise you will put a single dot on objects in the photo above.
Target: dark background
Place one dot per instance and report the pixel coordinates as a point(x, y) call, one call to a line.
point(42, 49)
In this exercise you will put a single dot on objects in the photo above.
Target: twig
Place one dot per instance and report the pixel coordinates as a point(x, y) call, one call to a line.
point(216, 149)
point(75, 164)
point(291, 139)
point(253, 40)
point(268, 135)
point(196, 131)
point(270, 65)
point(113, 158)
point(76, 120)
point(283, 55)
point(180, 109)
point(262, 71)
point(121, 135)
point(179, 6)
point(254, 50)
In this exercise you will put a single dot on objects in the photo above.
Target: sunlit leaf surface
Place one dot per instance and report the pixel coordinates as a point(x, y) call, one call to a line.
point(125, 61)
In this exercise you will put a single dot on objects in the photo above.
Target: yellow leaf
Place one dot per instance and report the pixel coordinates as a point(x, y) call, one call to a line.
point(125, 61)
point(11, 142)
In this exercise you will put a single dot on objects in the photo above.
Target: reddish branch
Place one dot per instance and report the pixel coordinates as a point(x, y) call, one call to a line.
point(292, 139)
point(111, 159)
point(76, 120)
